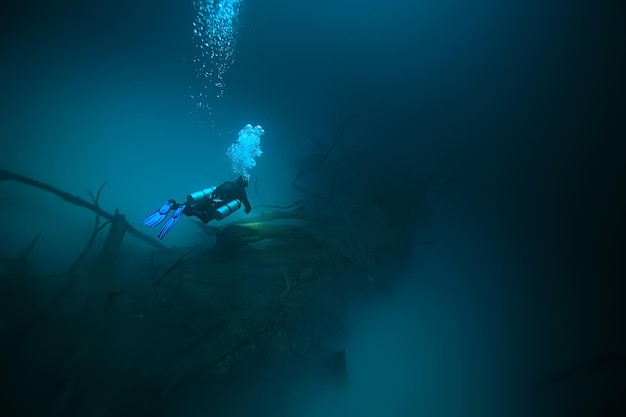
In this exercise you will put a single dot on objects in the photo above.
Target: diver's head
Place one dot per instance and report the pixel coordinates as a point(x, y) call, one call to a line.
point(242, 181)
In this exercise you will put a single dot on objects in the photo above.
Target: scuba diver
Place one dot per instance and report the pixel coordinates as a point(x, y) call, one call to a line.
point(208, 204)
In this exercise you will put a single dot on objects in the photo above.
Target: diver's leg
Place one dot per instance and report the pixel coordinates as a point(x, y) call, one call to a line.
point(159, 215)
point(171, 222)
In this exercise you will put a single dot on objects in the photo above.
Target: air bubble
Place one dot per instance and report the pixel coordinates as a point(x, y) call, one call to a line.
point(215, 36)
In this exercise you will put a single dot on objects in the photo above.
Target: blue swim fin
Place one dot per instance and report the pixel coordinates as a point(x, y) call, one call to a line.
point(159, 215)
point(171, 222)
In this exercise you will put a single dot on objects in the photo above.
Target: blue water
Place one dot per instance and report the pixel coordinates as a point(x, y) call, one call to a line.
point(480, 149)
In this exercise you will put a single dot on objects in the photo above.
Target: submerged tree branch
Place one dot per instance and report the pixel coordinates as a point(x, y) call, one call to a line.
point(202, 370)
point(6, 175)
point(307, 170)
point(96, 228)
point(19, 264)
point(175, 265)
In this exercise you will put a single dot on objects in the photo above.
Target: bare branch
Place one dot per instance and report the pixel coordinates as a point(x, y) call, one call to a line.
point(11, 176)
point(30, 247)
point(97, 197)
point(323, 158)
point(171, 268)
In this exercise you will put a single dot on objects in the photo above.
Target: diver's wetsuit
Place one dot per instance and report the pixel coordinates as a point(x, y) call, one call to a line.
point(224, 194)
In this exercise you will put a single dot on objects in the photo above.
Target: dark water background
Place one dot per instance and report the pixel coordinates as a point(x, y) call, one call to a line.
point(518, 307)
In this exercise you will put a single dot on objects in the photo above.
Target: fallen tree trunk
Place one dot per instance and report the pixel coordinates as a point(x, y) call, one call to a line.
point(237, 235)
point(70, 198)
point(296, 214)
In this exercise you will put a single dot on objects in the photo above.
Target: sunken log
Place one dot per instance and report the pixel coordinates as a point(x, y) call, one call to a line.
point(234, 236)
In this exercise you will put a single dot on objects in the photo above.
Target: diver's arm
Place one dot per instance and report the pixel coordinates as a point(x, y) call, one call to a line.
point(246, 202)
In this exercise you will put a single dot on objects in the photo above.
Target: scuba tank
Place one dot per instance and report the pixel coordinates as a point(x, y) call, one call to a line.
point(200, 195)
point(227, 209)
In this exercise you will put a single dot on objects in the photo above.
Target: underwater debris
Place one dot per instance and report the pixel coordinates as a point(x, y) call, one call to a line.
point(70, 198)
point(175, 265)
point(199, 373)
point(325, 153)
point(371, 271)
point(97, 227)
point(19, 265)
point(234, 236)
point(115, 235)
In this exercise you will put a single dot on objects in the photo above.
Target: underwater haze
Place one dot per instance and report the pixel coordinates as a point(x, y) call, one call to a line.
point(438, 198)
